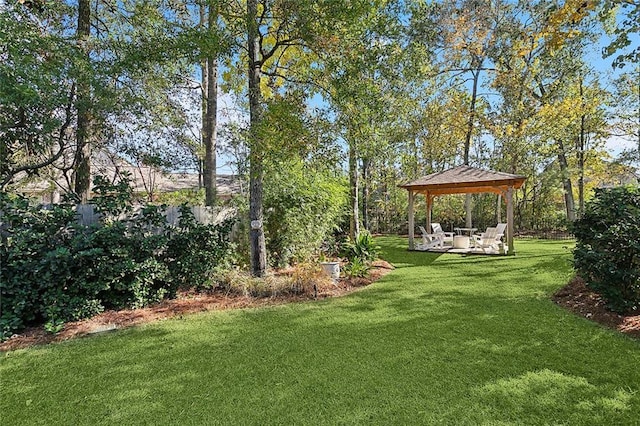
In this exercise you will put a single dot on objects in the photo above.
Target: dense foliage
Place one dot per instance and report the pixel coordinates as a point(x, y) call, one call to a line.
point(303, 208)
point(364, 94)
point(607, 255)
point(55, 270)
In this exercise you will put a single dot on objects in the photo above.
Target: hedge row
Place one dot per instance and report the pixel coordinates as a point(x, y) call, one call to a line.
point(55, 270)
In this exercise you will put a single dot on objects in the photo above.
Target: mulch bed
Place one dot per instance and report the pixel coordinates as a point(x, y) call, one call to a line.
point(583, 301)
point(185, 303)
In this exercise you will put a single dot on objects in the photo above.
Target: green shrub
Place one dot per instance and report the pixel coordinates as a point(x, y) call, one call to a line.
point(357, 267)
point(363, 248)
point(302, 207)
point(359, 253)
point(607, 254)
point(195, 250)
point(190, 197)
point(55, 270)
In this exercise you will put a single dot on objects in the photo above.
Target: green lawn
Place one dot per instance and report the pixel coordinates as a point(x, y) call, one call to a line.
point(444, 339)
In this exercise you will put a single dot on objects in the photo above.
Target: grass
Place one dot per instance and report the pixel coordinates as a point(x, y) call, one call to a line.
point(444, 339)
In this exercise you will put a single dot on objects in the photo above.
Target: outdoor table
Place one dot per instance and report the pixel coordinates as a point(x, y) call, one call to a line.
point(460, 231)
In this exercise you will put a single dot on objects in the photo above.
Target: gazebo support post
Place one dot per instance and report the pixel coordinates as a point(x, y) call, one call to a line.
point(429, 198)
point(411, 219)
point(509, 200)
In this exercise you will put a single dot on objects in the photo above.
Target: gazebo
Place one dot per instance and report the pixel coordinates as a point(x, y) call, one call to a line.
point(463, 180)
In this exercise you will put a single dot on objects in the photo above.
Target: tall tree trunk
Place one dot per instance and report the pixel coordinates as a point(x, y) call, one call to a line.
point(211, 117)
point(472, 115)
point(566, 182)
point(256, 171)
point(365, 193)
point(204, 74)
point(468, 136)
point(415, 156)
point(82, 160)
point(581, 141)
point(581, 148)
point(354, 225)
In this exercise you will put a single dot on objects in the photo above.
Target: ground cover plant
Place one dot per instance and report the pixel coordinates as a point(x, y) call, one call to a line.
point(443, 339)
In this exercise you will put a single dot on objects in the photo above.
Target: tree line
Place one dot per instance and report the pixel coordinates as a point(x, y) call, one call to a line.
point(348, 97)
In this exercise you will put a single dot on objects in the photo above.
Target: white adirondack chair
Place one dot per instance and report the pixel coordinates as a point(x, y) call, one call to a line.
point(447, 237)
point(429, 241)
point(490, 239)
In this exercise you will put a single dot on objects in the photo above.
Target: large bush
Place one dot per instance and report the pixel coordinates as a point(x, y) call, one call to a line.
point(55, 270)
point(302, 209)
point(607, 254)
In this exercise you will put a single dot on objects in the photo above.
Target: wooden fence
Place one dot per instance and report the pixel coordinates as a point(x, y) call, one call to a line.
point(87, 214)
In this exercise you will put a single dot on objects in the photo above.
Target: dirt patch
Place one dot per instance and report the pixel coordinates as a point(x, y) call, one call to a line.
point(185, 303)
point(583, 301)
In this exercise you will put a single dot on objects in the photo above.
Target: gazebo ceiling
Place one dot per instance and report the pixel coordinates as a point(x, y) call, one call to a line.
point(465, 179)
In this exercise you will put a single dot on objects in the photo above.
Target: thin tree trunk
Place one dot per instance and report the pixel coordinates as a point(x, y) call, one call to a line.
point(581, 147)
point(82, 160)
point(566, 182)
point(467, 140)
point(204, 74)
point(581, 167)
point(211, 117)
point(256, 171)
point(365, 194)
point(472, 116)
point(354, 226)
point(415, 156)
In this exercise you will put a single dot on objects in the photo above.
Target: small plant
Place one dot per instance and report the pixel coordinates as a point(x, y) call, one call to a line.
point(360, 253)
point(362, 248)
point(306, 278)
point(357, 268)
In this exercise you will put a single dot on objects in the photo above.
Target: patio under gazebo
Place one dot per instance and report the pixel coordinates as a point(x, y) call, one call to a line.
point(464, 180)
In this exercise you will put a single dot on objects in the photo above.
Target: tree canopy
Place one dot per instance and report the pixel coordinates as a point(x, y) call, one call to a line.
point(346, 97)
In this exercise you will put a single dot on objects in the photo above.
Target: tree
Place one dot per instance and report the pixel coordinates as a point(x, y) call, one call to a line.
point(358, 67)
point(622, 33)
point(467, 33)
point(625, 117)
point(255, 59)
point(281, 42)
point(59, 84)
point(37, 91)
point(209, 70)
point(538, 58)
point(82, 162)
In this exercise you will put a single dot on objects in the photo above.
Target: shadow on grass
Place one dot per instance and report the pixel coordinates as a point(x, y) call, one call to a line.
point(416, 347)
point(386, 354)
